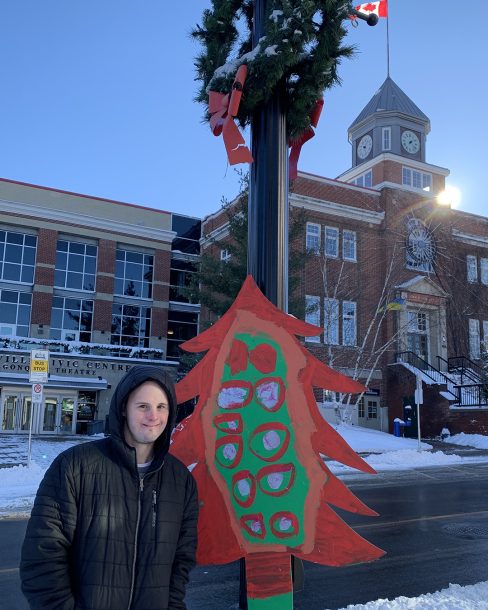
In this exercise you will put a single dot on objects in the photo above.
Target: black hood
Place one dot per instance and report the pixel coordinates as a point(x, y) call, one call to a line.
point(133, 379)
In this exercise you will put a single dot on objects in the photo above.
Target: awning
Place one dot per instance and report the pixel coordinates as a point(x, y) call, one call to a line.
point(56, 381)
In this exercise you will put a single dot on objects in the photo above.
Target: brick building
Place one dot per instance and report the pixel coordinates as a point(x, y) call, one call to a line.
point(397, 283)
point(96, 282)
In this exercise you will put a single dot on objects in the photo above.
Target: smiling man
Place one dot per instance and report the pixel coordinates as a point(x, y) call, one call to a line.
point(114, 521)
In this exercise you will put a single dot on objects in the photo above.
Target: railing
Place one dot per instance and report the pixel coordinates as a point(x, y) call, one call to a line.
point(465, 394)
point(466, 368)
point(427, 369)
point(473, 395)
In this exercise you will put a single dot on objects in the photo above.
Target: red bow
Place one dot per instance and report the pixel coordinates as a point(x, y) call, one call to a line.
point(224, 107)
point(308, 134)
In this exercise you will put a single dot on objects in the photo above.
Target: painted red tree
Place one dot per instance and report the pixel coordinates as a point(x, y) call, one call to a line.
point(256, 441)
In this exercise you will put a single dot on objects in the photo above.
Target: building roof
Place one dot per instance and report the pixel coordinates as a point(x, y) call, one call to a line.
point(390, 98)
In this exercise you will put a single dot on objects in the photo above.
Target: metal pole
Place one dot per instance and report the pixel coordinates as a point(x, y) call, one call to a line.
point(267, 259)
point(418, 402)
point(29, 448)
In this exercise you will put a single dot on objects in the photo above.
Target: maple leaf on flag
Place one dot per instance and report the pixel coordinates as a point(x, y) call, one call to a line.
point(376, 8)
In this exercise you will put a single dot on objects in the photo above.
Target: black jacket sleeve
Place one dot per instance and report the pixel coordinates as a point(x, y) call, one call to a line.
point(186, 548)
point(45, 559)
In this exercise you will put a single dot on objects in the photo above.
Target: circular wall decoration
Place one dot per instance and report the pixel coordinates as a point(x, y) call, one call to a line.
point(420, 245)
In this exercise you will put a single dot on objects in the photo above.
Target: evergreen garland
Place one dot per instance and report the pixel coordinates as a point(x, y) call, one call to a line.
point(302, 47)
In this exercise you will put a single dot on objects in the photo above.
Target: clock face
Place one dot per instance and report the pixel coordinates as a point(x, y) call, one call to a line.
point(364, 147)
point(410, 142)
point(420, 246)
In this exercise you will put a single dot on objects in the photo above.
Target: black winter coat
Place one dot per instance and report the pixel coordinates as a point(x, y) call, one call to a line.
point(99, 538)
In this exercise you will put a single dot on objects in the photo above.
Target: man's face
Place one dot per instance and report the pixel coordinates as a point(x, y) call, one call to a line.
point(146, 414)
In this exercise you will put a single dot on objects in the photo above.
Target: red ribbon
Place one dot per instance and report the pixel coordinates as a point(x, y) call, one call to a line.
point(224, 107)
point(308, 134)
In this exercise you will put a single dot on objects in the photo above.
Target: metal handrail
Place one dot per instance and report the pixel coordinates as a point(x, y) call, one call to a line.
point(472, 395)
point(466, 366)
point(415, 360)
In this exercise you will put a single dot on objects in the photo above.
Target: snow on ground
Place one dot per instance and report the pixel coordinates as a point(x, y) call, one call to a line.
point(388, 452)
point(18, 484)
point(471, 440)
point(471, 597)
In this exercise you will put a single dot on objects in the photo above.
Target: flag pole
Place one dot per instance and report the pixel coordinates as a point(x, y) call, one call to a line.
point(388, 43)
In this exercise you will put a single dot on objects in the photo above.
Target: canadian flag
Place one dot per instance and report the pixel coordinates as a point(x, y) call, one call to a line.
point(378, 8)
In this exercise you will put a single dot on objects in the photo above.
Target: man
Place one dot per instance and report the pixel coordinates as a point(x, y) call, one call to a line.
point(113, 525)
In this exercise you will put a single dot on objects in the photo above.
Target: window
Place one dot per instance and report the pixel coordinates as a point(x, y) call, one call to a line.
point(225, 255)
point(472, 268)
point(474, 339)
point(372, 409)
point(313, 238)
point(349, 245)
point(17, 257)
point(417, 321)
point(182, 325)
point(71, 319)
point(87, 405)
point(180, 278)
point(15, 313)
point(312, 315)
point(417, 337)
point(416, 179)
point(188, 232)
point(331, 242)
point(331, 321)
point(76, 265)
point(386, 138)
point(131, 325)
point(365, 179)
point(349, 323)
point(484, 271)
point(485, 336)
point(329, 397)
point(361, 408)
point(133, 274)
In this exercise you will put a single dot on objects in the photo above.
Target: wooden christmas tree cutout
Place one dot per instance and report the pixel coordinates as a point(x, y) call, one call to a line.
point(256, 441)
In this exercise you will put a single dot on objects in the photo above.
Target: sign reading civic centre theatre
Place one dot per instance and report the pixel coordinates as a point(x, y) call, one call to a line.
point(39, 366)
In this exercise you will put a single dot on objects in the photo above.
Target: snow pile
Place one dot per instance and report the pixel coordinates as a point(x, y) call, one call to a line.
point(363, 440)
point(18, 484)
point(469, 440)
point(471, 597)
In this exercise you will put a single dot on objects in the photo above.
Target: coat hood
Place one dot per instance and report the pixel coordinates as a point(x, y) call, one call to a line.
point(138, 375)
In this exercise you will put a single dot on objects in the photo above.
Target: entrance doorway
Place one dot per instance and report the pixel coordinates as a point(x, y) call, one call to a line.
point(57, 413)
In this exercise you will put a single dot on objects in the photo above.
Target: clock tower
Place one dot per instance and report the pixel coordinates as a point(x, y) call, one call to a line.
point(388, 140)
point(390, 122)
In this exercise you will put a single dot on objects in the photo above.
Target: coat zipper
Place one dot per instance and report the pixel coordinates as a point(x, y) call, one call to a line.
point(154, 500)
point(136, 536)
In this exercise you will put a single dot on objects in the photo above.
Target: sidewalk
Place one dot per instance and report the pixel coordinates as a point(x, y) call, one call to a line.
point(14, 447)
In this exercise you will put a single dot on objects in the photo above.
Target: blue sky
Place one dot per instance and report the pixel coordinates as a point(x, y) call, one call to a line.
point(97, 98)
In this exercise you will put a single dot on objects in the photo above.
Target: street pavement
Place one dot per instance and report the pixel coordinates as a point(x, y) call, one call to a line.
point(433, 524)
